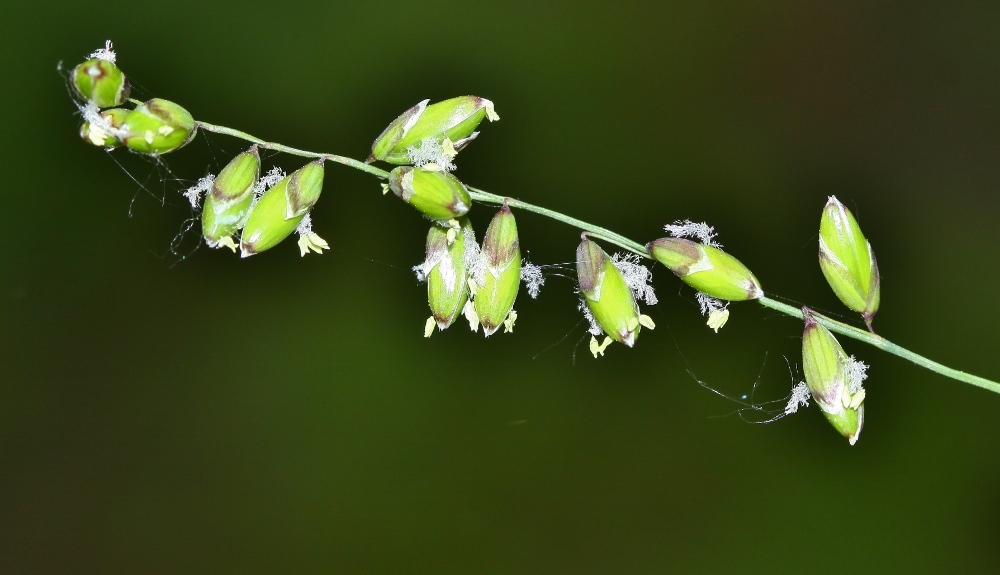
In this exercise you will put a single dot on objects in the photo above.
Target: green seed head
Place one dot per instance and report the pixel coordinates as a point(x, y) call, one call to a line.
point(608, 297)
point(269, 221)
point(158, 126)
point(446, 271)
point(834, 379)
point(104, 129)
point(100, 82)
point(436, 193)
point(228, 203)
point(847, 260)
point(495, 288)
point(706, 268)
point(455, 119)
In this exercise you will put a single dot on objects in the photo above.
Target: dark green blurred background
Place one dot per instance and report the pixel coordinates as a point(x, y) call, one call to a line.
point(284, 415)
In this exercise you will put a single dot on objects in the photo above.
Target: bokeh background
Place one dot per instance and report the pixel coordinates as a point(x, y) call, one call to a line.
point(203, 414)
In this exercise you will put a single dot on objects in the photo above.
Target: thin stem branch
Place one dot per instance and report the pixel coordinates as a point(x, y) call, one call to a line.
point(596, 231)
point(634, 247)
point(294, 151)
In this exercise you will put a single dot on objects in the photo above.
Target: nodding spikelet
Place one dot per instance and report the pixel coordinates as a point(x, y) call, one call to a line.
point(99, 81)
point(279, 211)
point(706, 268)
point(435, 193)
point(230, 199)
point(445, 269)
point(158, 127)
point(848, 261)
point(834, 379)
point(608, 296)
point(500, 272)
point(450, 124)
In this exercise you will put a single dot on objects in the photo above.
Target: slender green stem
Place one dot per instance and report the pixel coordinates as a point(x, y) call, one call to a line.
point(634, 247)
point(596, 231)
point(294, 151)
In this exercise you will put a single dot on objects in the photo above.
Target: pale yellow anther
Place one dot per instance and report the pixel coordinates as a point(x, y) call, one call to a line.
point(429, 326)
point(454, 227)
point(633, 322)
point(647, 322)
point(473, 286)
point(857, 398)
point(385, 189)
point(148, 136)
point(598, 348)
point(491, 114)
point(165, 130)
point(448, 147)
point(227, 242)
point(471, 315)
point(312, 242)
point(718, 318)
point(96, 135)
point(508, 324)
point(431, 167)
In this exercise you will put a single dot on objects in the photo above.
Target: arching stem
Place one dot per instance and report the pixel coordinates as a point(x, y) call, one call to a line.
point(621, 241)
